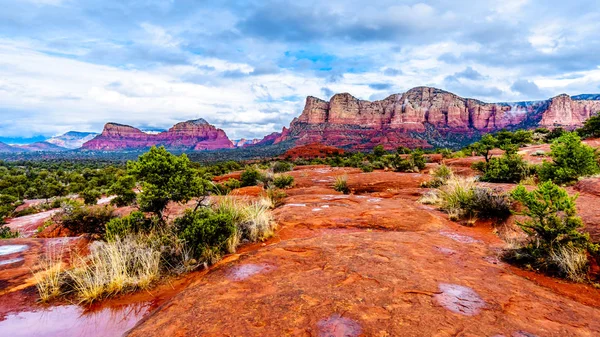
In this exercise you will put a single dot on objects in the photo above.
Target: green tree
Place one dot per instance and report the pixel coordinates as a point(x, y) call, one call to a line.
point(553, 224)
point(90, 196)
point(379, 151)
point(123, 189)
point(164, 177)
point(484, 146)
point(417, 159)
point(570, 159)
point(591, 128)
point(403, 150)
point(250, 177)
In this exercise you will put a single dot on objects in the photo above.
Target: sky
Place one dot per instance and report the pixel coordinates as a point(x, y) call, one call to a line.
point(247, 66)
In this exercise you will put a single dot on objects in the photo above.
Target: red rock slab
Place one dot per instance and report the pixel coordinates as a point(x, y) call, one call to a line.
point(233, 175)
point(370, 283)
point(382, 181)
point(251, 191)
point(589, 185)
point(352, 211)
point(321, 176)
point(28, 225)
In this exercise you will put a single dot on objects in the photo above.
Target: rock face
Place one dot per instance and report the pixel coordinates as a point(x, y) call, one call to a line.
point(72, 139)
point(194, 135)
point(425, 117)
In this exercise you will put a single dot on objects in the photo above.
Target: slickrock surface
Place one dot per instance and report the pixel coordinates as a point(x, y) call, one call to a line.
point(373, 264)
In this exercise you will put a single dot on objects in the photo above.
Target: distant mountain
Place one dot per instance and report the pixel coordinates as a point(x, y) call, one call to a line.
point(194, 135)
point(424, 117)
point(43, 146)
point(5, 148)
point(245, 142)
point(72, 139)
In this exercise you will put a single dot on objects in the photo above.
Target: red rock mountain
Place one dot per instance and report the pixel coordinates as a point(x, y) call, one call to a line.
point(195, 135)
point(424, 117)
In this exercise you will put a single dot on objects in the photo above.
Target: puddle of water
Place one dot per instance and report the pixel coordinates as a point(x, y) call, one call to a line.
point(295, 205)
point(73, 321)
point(242, 272)
point(325, 206)
point(11, 261)
point(11, 249)
point(374, 200)
point(317, 209)
point(338, 326)
point(459, 237)
point(459, 299)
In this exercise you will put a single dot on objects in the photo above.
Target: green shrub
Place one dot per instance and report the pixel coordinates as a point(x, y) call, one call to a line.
point(554, 134)
point(123, 189)
point(379, 151)
point(446, 153)
point(463, 200)
point(283, 181)
point(276, 196)
point(440, 176)
point(553, 229)
point(509, 168)
point(591, 127)
point(6, 233)
point(403, 150)
point(417, 159)
point(401, 164)
point(571, 159)
point(282, 166)
point(132, 224)
point(490, 204)
point(86, 219)
point(366, 166)
point(341, 184)
point(90, 196)
point(251, 177)
point(206, 232)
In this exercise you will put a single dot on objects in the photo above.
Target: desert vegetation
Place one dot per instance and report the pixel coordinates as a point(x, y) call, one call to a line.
point(555, 243)
point(133, 251)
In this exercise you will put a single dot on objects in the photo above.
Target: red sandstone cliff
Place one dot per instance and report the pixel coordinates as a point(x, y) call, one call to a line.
point(193, 135)
point(423, 117)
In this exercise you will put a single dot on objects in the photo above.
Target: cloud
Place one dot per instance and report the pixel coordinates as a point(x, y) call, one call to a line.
point(392, 72)
point(248, 65)
point(327, 92)
point(380, 86)
point(526, 88)
point(469, 74)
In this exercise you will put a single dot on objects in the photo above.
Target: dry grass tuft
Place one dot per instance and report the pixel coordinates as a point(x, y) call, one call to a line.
point(50, 277)
point(115, 267)
point(572, 262)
